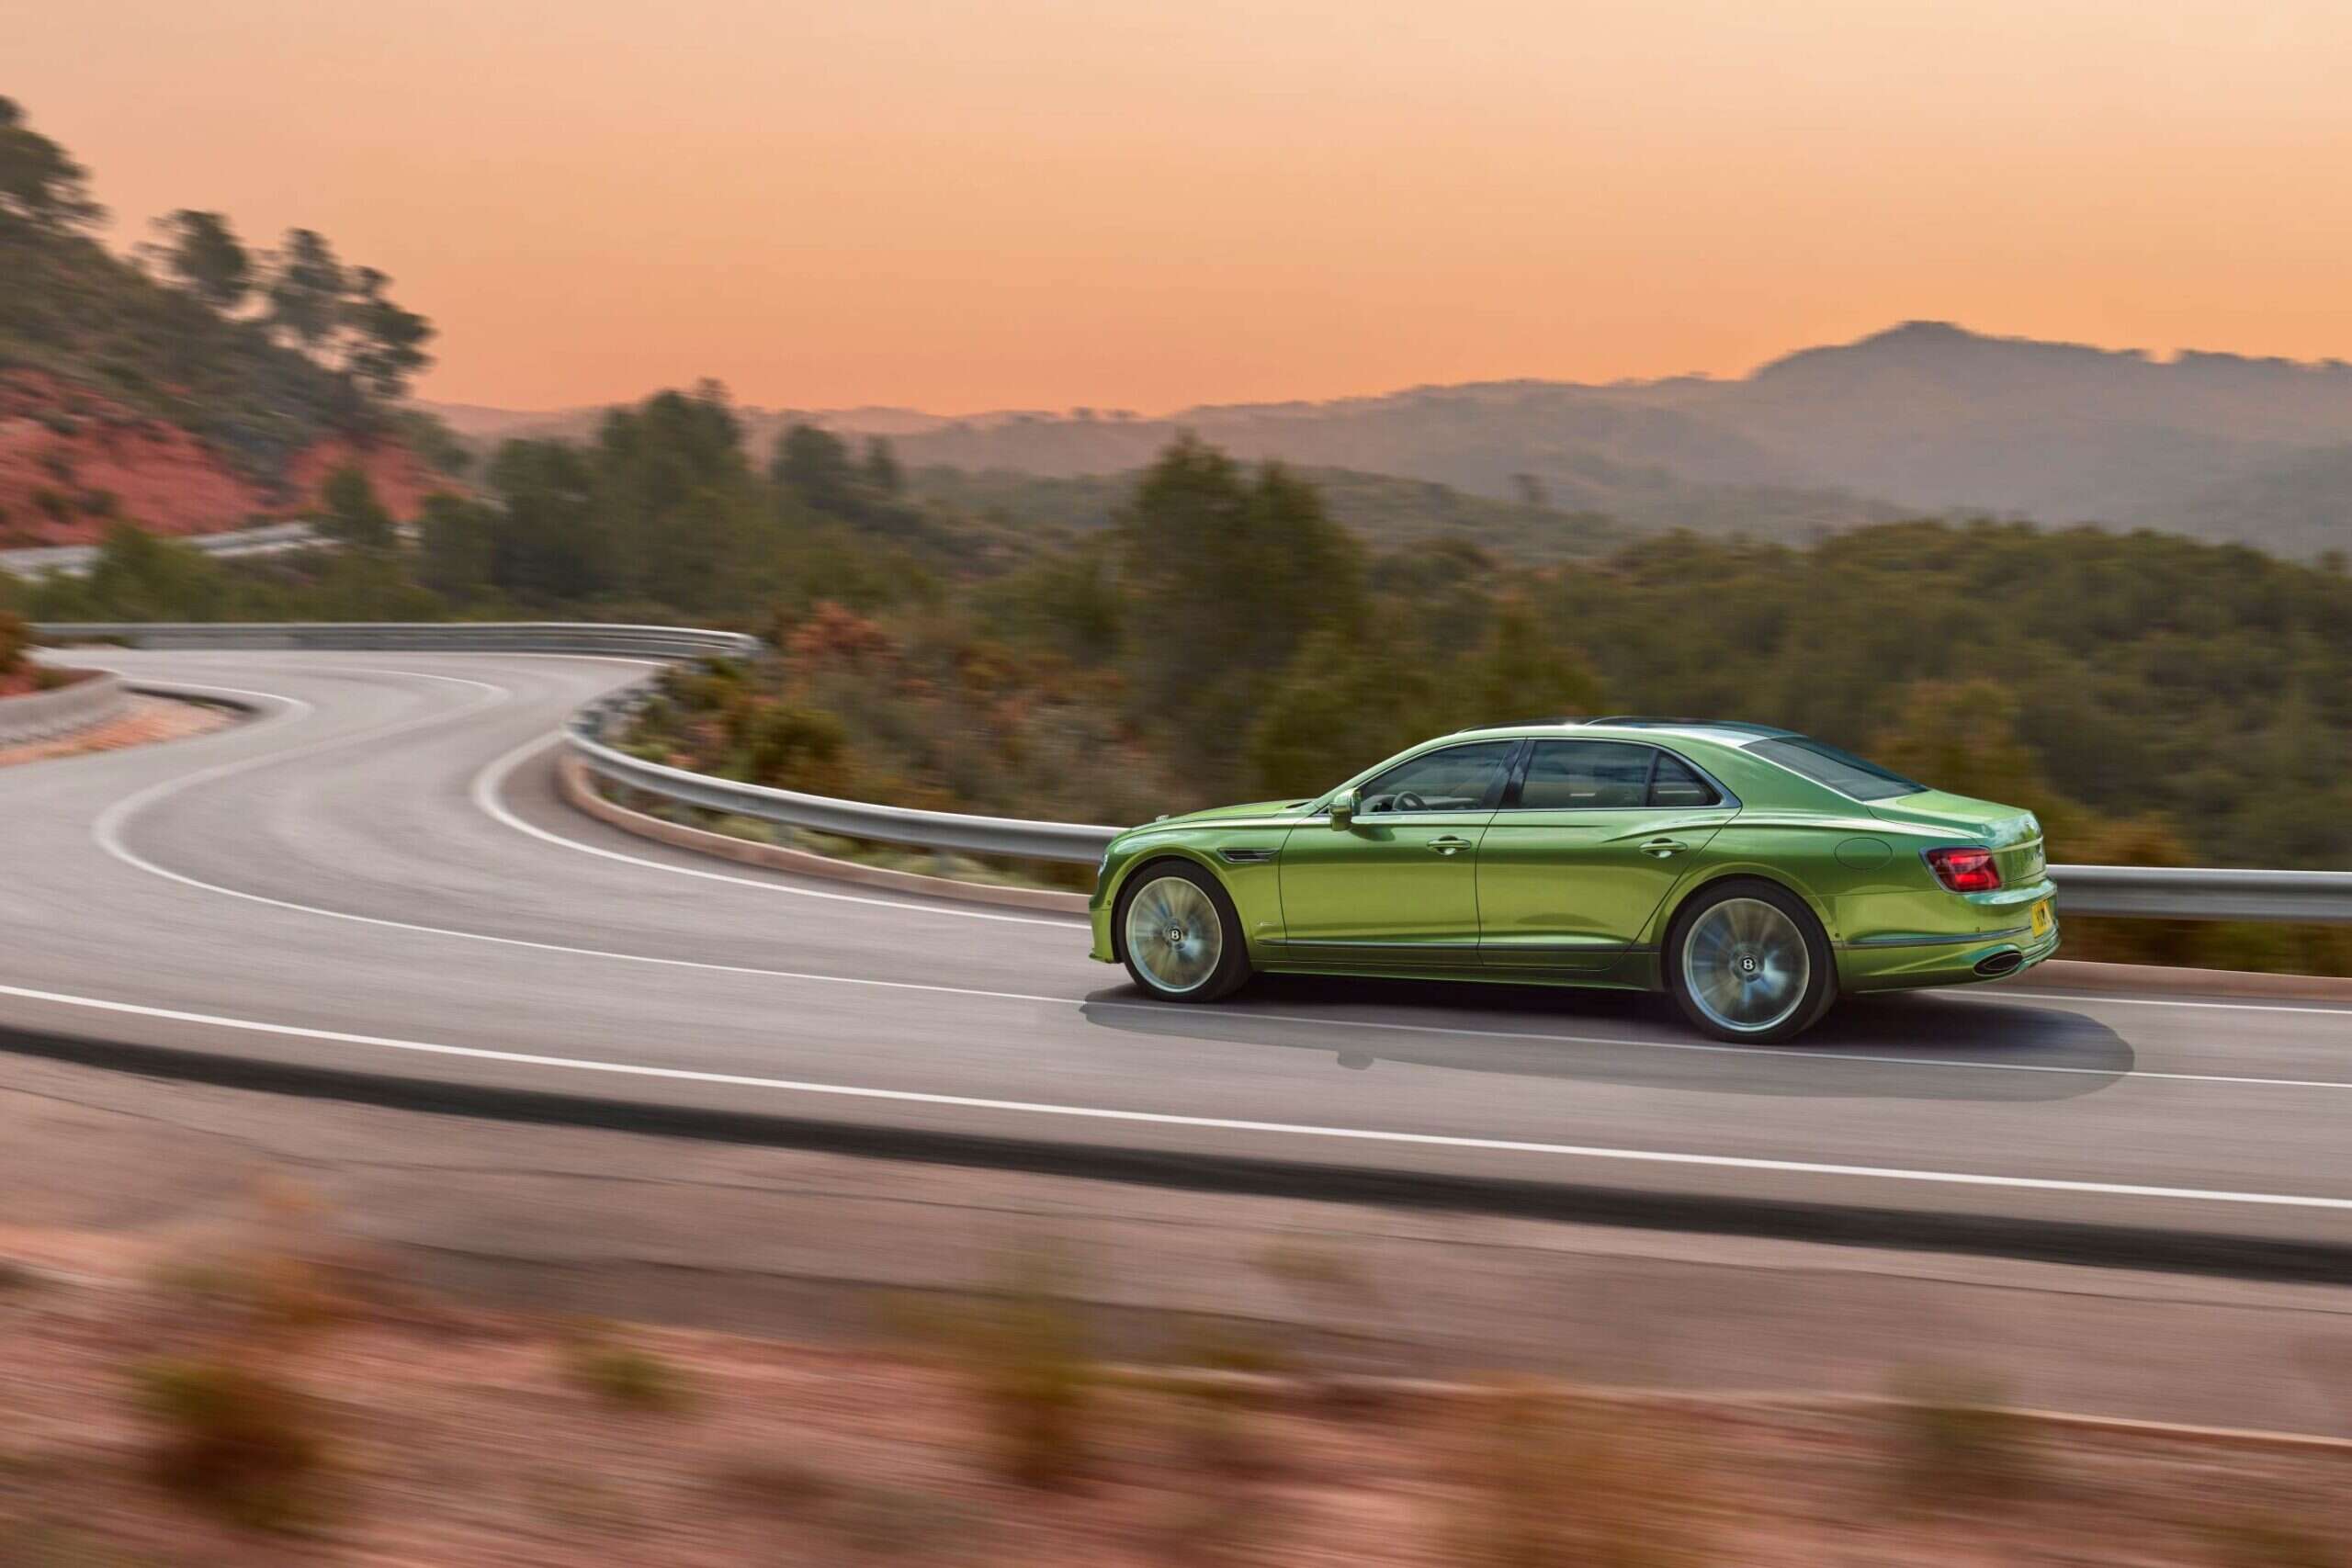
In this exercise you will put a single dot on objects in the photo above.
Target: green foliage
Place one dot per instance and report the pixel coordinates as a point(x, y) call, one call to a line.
point(1382, 510)
point(15, 637)
point(307, 289)
point(354, 516)
point(814, 465)
point(457, 539)
point(41, 188)
point(384, 347)
point(1225, 576)
point(203, 253)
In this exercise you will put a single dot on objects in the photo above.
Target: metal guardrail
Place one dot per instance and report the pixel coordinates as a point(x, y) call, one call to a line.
point(1080, 843)
point(2196, 893)
point(87, 703)
point(75, 560)
point(447, 637)
point(2142, 892)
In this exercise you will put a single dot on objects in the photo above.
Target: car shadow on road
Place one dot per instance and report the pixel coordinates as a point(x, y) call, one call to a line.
point(1911, 1046)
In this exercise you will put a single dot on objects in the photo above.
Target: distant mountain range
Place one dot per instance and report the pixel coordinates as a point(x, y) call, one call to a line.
point(1923, 418)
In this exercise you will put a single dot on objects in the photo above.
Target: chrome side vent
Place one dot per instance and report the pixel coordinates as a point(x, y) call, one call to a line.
point(1245, 856)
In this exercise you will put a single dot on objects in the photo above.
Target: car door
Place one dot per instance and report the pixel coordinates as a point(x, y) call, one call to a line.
point(1590, 837)
point(1396, 886)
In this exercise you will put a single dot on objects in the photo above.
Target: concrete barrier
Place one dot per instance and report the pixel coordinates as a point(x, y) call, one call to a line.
point(95, 697)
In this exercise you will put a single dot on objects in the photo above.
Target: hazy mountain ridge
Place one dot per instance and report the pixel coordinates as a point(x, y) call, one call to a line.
point(1923, 418)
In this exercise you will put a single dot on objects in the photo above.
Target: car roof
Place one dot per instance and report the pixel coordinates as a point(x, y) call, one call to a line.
point(1727, 731)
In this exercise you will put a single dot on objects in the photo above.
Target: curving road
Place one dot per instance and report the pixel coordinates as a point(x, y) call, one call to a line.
point(375, 878)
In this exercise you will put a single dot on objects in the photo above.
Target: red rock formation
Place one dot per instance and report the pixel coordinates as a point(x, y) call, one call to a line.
point(72, 460)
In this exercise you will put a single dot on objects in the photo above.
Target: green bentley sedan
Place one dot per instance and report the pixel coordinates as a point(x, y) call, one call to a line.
point(1755, 873)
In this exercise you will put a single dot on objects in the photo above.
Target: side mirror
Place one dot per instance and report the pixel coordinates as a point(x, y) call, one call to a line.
point(1343, 808)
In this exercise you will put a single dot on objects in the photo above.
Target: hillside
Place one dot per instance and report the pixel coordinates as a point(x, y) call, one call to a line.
point(1386, 512)
point(1924, 419)
point(201, 389)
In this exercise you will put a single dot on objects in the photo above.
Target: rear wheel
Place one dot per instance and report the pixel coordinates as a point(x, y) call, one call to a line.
point(1747, 961)
point(1179, 935)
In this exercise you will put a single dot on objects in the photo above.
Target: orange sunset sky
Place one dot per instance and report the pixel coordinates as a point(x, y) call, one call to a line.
point(963, 204)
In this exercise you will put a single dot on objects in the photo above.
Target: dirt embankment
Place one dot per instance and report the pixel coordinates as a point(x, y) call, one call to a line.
point(72, 461)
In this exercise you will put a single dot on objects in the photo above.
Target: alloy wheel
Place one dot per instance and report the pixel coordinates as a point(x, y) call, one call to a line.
point(1746, 965)
point(1174, 934)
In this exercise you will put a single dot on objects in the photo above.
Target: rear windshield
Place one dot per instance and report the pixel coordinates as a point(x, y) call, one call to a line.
point(1841, 771)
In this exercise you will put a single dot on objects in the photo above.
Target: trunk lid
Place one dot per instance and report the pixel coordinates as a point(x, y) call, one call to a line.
point(2013, 835)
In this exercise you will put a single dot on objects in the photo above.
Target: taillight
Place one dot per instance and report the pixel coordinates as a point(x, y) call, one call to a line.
point(1965, 870)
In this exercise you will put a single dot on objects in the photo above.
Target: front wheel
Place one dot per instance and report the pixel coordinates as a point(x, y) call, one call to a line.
point(1747, 961)
point(1180, 936)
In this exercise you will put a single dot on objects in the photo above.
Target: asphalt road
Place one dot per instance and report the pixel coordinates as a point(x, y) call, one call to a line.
point(375, 877)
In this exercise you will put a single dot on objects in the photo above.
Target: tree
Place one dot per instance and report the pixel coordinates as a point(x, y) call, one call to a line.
point(307, 290)
point(1226, 576)
point(814, 465)
point(384, 343)
point(202, 252)
point(456, 544)
point(882, 470)
point(548, 544)
point(354, 516)
point(41, 187)
point(1520, 674)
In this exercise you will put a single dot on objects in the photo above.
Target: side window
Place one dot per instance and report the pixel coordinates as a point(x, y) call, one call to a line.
point(1586, 776)
point(1458, 778)
point(1677, 782)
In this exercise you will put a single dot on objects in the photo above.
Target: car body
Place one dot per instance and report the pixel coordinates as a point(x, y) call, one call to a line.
point(1753, 872)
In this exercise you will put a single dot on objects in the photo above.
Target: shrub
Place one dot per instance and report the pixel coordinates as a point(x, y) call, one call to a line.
point(1953, 1442)
point(235, 1439)
point(1550, 1482)
point(1022, 1348)
point(15, 637)
point(624, 1375)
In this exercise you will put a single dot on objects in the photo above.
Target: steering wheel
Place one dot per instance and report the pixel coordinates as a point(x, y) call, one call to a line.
point(1405, 800)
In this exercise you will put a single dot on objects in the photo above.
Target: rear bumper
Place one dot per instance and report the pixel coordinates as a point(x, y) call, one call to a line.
point(1868, 967)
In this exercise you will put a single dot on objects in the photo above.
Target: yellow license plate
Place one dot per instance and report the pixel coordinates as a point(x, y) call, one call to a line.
point(2041, 919)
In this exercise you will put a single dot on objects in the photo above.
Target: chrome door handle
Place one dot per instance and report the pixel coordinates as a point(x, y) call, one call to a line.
point(1448, 845)
point(1662, 848)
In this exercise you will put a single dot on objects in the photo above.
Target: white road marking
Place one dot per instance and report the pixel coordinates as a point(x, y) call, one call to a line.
point(1217, 1123)
point(2095, 999)
point(106, 831)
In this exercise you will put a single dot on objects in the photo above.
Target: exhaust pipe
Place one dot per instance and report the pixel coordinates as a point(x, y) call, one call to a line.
point(1995, 964)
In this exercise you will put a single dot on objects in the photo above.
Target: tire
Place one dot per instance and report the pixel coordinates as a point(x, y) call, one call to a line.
point(1747, 961)
point(1207, 962)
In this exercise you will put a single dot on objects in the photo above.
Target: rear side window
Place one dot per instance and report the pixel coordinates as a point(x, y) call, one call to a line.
point(1600, 775)
point(1842, 771)
point(1677, 782)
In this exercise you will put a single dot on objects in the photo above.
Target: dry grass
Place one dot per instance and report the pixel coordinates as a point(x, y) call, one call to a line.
point(1545, 1480)
point(1952, 1442)
point(622, 1374)
point(238, 1439)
